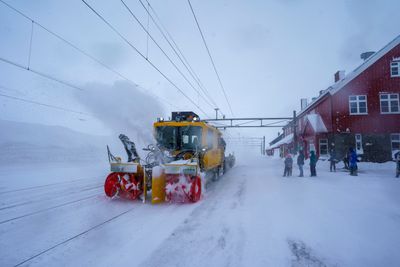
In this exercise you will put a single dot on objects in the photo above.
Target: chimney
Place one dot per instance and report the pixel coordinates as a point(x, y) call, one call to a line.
point(303, 102)
point(364, 56)
point(339, 75)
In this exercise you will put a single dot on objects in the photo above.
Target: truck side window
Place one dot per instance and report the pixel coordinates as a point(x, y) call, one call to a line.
point(210, 138)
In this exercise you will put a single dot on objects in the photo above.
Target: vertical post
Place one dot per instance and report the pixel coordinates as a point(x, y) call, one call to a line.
point(264, 145)
point(30, 46)
point(294, 132)
point(216, 113)
point(261, 146)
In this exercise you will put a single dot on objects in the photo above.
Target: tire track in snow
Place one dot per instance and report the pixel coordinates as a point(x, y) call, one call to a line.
point(208, 237)
point(47, 185)
point(74, 237)
point(49, 198)
point(304, 255)
point(50, 208)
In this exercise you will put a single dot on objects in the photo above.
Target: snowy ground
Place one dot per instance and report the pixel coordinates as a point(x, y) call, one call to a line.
point(57, 215)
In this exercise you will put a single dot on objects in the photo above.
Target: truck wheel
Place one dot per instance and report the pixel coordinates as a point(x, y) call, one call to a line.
point(221, 170)
point(214, 175)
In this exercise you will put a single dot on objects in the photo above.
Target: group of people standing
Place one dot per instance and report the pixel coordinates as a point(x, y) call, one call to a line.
point(300, 163)
point(350, 162)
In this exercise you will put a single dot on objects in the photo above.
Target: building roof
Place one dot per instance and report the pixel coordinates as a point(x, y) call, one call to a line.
point(333, 89)
point(317, 123)
point(286, 140)
point(366, 64)
point(276, 139)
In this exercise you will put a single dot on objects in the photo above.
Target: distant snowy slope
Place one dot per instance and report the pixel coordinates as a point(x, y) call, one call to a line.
point(33, 143)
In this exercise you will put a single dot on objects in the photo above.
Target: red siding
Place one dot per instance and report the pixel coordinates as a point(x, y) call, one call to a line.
point(370, 82)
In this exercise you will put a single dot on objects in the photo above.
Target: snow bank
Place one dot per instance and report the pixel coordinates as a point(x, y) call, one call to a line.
point(33, 143)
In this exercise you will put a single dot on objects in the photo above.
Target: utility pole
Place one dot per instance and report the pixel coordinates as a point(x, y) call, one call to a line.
point(294, 132)
point(263, 146)
point(216, 113)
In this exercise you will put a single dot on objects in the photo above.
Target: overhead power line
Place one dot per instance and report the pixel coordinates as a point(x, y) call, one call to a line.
point(47, 76)
point(143, 56)
point(176, 49)
point(80, 50)
point(164, 53)
point(40, 103)
point(211, 58)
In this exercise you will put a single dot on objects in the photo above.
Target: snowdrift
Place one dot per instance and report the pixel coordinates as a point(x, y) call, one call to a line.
point(35, 143)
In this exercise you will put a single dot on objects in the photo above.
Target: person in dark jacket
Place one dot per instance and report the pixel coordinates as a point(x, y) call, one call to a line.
point(332, 159)
point(300, 162)
point(313, 163)
point(397, 160)
point(353, 162)
point(346, 161)
point(288, 165)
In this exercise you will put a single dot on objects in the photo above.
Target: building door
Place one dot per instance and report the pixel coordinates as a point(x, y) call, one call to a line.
point(323, 147)
point(359, 147)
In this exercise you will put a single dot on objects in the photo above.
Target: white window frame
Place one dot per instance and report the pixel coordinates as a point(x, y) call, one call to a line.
point(359, 146)
point(395, 65)
point(394, 141)
point(325, 144)
point(358, 101)
point(389, 100)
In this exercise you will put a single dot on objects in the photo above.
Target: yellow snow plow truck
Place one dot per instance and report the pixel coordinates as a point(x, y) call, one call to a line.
point(188, 153)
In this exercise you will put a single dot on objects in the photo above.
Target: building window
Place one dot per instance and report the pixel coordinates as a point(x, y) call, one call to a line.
point(395, 68)
point(358, 104)
point(395, 140)
point(389, 103)
point(359, 148)
point(323, 147)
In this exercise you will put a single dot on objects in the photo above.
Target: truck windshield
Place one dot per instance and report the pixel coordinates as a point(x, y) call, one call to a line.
point(179, 137)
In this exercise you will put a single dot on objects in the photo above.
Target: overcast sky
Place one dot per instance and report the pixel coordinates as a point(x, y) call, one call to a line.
point(269, 54)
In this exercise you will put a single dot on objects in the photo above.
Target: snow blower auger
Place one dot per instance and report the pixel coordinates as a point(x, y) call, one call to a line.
point(187, 155)
point(125, 179)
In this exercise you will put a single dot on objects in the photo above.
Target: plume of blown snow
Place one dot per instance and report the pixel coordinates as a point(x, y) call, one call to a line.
point(123, 108)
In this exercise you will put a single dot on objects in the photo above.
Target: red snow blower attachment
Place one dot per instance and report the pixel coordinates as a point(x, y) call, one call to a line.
point(126, 179)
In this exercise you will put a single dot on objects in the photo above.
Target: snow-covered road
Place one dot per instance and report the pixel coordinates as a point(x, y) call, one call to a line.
point(251, 217)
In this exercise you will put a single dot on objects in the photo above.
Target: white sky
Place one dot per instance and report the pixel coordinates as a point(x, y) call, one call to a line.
point(269, 53)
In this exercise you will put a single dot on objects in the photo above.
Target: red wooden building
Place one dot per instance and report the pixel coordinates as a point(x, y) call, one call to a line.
point(360, 110)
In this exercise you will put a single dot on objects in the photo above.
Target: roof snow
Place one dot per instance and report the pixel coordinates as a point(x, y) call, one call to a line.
point(348, 78)
point(317, 123)
point(286, 140)
point(366, 64)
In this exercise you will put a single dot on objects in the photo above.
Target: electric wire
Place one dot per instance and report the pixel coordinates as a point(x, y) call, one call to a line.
point(211, 58)
point(40, 103)
point(172, 39)
point(164, 53)
point(143, 56)
point(83, 52)
point(47, 76)
point(176, 50)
